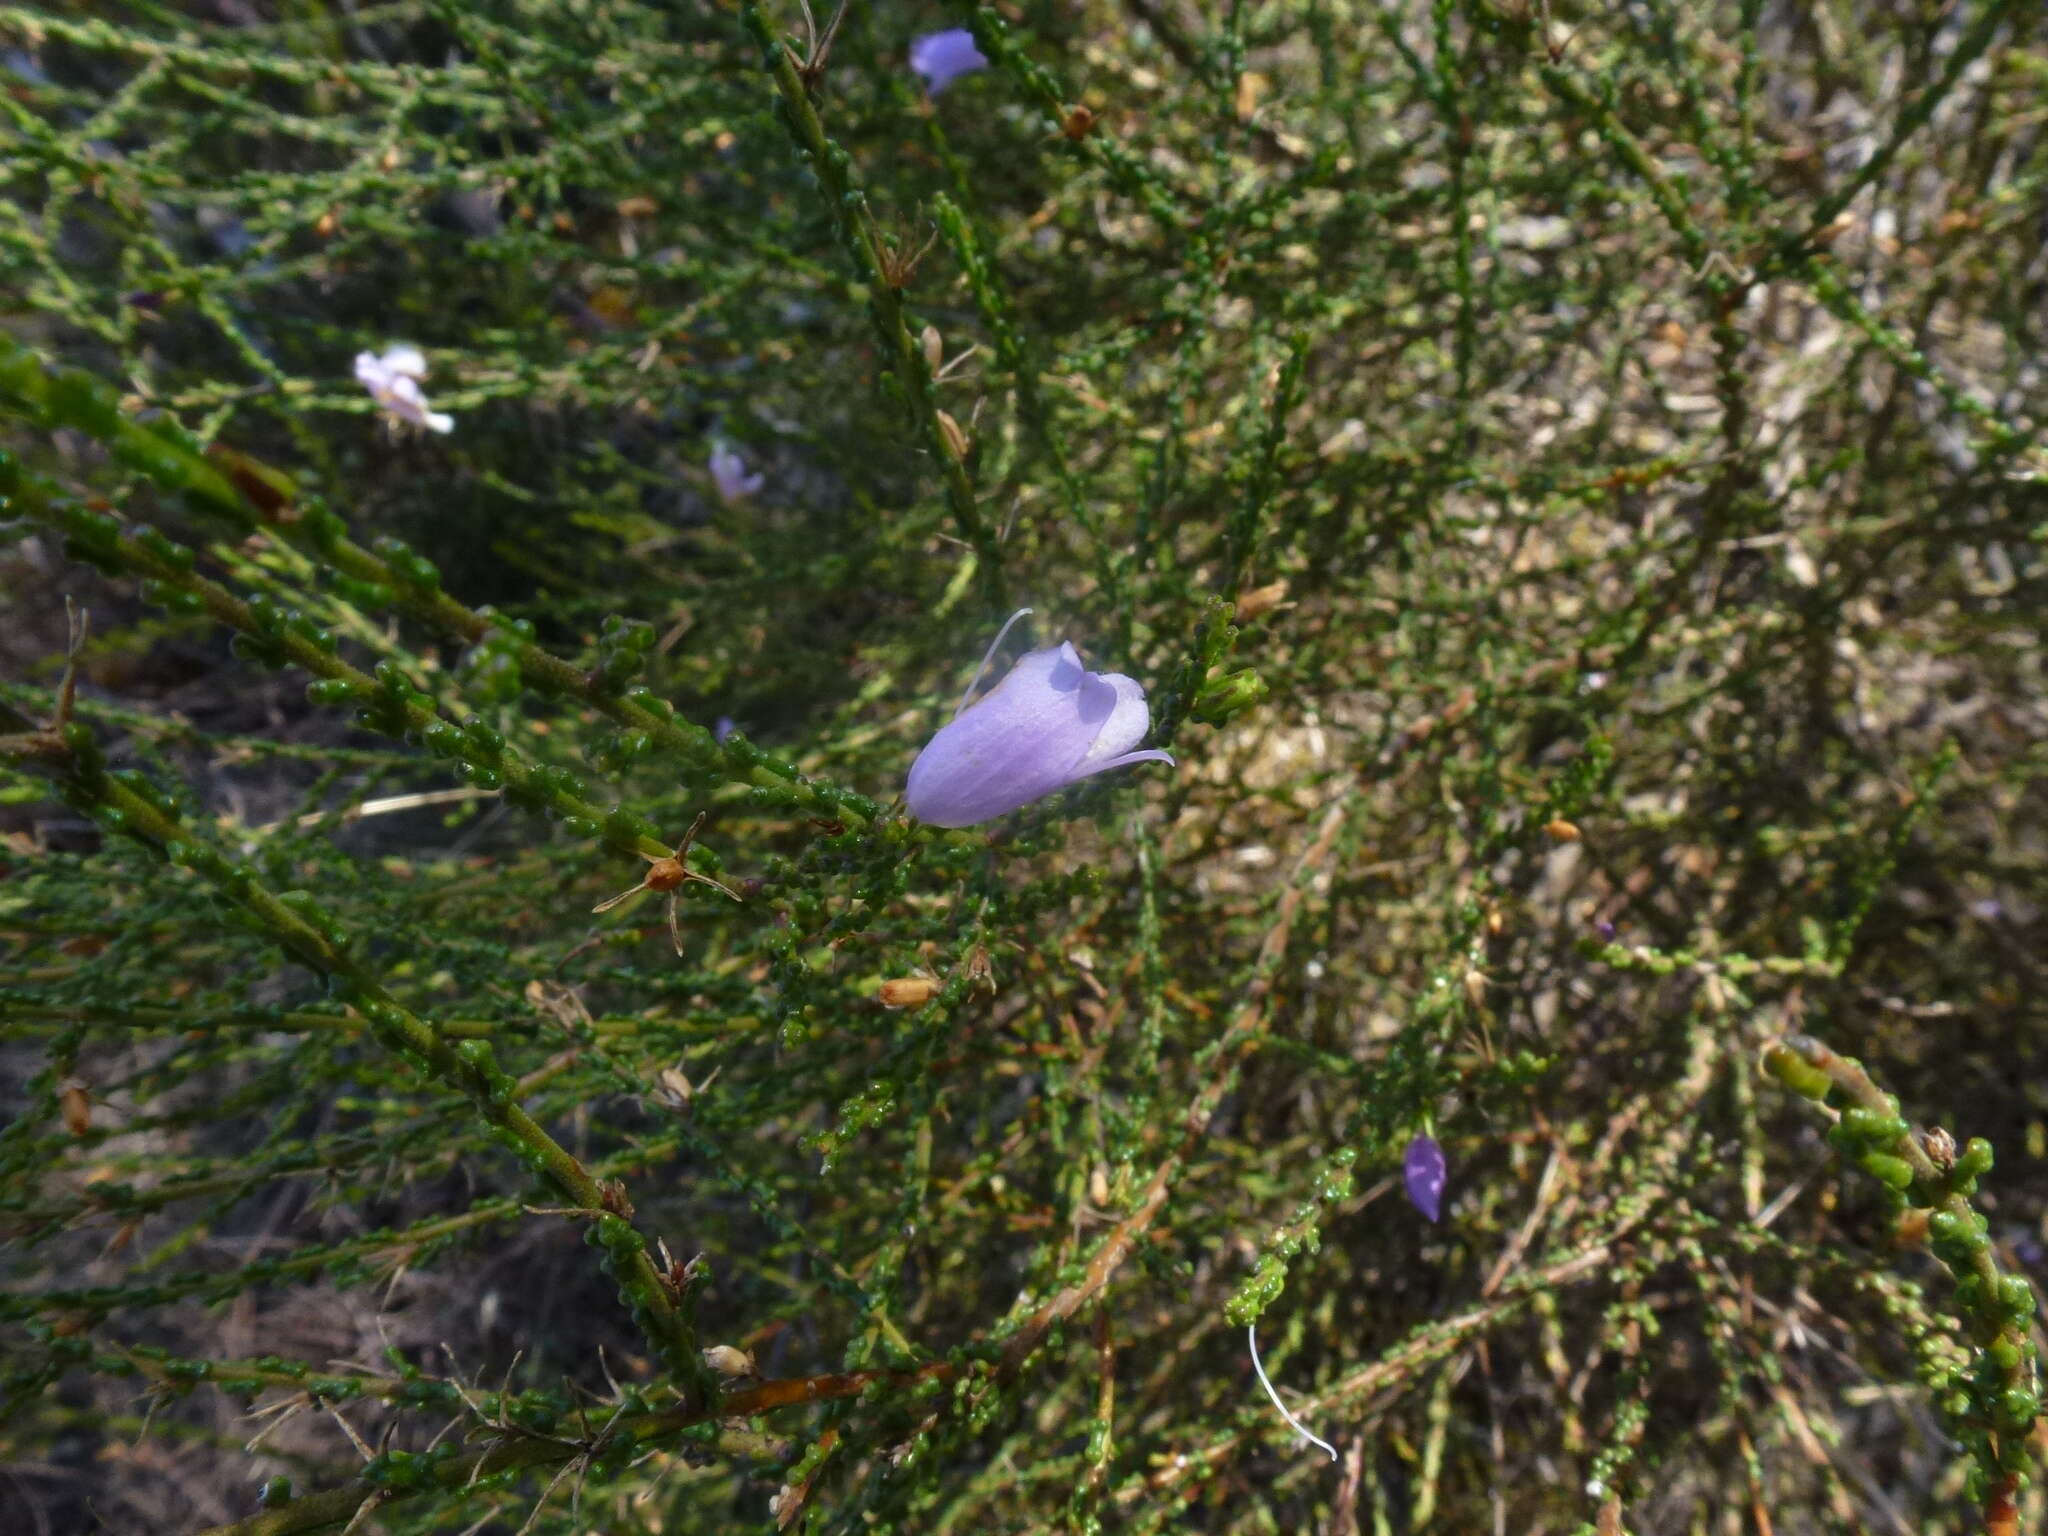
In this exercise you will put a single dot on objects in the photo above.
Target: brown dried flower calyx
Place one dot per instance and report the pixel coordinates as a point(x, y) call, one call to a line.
point(668, 875)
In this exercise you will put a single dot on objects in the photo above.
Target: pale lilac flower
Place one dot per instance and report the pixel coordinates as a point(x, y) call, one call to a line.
point(722, 728)
point(729, 474)
point(393, 381)
point(1423, 1169)
point(1050, 723)
point(940, 58)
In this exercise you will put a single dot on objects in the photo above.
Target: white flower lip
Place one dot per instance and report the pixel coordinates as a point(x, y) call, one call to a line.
point(1049, 723)
point(393, 381)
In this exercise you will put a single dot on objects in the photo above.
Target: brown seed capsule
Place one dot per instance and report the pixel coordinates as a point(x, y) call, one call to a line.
point(1079, 122)
point(326, 225)
point(934, 347)
point(637, 207)
point(908, 991)
point(76, 1107)
point(1561, 831)
point(956, 438)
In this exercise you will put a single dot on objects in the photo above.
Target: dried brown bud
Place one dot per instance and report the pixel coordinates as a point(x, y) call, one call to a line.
point(908, 991)
point(1250, 87)
point(76, 1107)
point(955, 436)
point(1259, 600)
point(728, 1361)
point(1714, 991)
point(1834, 229)
point(1561, 831)
point(637, 207)
point(1940, 1148)
point(1078, 122)
point(934, 346)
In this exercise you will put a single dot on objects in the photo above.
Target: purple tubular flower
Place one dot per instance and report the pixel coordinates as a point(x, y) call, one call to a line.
point(1050, 723)
point(1423, 1168)
point(940, 58)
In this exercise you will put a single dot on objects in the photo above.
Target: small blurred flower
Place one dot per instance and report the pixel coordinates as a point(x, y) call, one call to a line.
point(1423, 1168)
point(721, 728)
point(940, 58)
point(1050, 723)
point(393, 381)
point(729, 474)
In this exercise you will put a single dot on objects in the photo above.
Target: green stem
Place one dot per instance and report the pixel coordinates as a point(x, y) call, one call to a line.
point(67, 753)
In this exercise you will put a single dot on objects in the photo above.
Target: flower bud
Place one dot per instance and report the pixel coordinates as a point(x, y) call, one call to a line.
point(1423, 1170)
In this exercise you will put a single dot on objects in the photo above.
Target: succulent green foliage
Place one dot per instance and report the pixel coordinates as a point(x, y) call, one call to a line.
point(1570, 480)
point(1995, 1404)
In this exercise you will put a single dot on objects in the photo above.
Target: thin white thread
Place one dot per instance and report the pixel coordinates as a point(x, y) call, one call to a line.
point(1251, 1334)
point(986, 659)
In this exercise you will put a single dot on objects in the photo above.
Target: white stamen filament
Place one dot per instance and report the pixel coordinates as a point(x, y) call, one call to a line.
point(986, 659)
point(1251, 1334)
